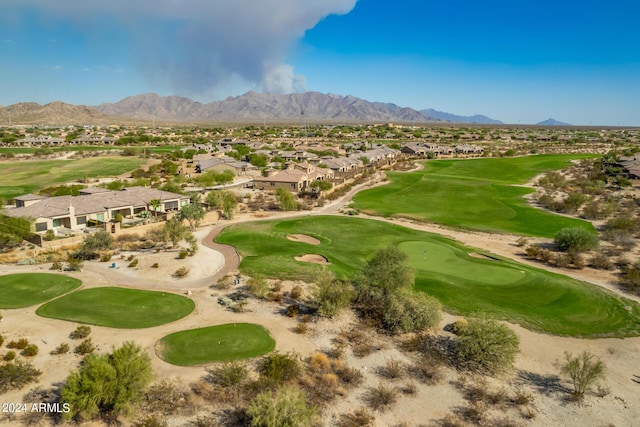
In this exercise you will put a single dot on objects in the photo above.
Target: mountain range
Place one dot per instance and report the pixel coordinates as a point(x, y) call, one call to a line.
point(250, 107)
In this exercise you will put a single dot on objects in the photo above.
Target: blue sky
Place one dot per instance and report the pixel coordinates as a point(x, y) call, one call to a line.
point(516, 61)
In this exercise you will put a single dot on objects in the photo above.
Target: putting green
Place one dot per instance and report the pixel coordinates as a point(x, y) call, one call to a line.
point(215, 344)
point(533, 297)
point(455, 263)
point(118, 307)
point(27, 289)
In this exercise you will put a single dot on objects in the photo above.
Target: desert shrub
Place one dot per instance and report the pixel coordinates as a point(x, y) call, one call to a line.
point(229, 374)
point(358, 418)
point(280, 367)
point(1, 337)
point(151, 421)
point(301, 328)
point(562, 260)
point(630, 279)
point(522, 397)
point(258, 286)
point(81, 332)
point(381, 398)
point(56, 266)
point(427, 370)
point(331, 295)
point(74, 264)
point(105, 257)
point(155, 265)
point(16, 375)
point(85, 347)
point(284, 407)
point(394, 369)
point(573, 202)
point(575, 239)
point(601, 261)
point(9, 356)
point(522, 242)
point(20, 344)
point(181, 272)
point(583, 370)
point(133, 263)
point(411, 312)
point(319, 362)
point(350, 377)
point(63, 348)
point(487, 346)
point(166, 397)
point(30, 350)
point(183, 254)
point(273, 296)
point(293, 310)
point(296, 292)
point(209, 421)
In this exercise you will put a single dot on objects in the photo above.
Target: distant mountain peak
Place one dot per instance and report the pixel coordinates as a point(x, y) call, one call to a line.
point(478, 119)
point(552, 122)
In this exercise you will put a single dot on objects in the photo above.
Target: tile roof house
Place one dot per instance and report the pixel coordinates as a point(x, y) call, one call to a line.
point(297, 177)
point(98, 204)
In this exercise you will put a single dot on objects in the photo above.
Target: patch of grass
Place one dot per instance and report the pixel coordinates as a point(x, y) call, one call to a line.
point(118, 307)
point(480, 194)
point(215, 344)
point(534, 298)
point(27, 289)
point(19, 178)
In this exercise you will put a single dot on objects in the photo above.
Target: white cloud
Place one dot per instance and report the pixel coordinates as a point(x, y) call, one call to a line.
point(198, 46)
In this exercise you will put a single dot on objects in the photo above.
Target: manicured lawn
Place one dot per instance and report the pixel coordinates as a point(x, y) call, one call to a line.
point(17, 178)
point(529, 296)
point(119, 307)
point(27, 289)
point(215, 344)
point(476, 194)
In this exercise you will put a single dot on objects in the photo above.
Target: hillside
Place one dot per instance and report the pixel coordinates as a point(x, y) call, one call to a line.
point(263, 106)
point(52, 114)
point(477, 118)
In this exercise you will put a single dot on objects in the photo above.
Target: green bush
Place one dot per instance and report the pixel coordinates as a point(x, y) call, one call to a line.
point(280, 367)
point(61, 349)
point(85, 347)
point(583, 371)
point(575, 239)
point(20, 344)
point(183, 254)
point(133, 263)
point(487, 346)
point(1, 337)
point(30, 350)
point(9, 356)
point(285, 407)
point(181, 272)
point(229, 374)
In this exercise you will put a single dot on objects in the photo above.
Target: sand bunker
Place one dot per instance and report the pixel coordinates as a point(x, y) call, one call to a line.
point(313, 258)
point(303, 238)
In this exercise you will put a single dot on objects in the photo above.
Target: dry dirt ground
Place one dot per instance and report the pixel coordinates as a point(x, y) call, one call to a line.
point(535, 369)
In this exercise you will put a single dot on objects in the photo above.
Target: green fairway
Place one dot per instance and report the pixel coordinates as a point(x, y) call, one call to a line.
point(26, 289)
point(533, 297)
point(118, 307)
point(215, 344)
point(479, 194)
point(17, 178)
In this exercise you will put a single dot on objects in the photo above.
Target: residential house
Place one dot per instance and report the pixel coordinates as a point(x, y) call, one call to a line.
point(296, 177)
point(221, 164)
point(93, 204)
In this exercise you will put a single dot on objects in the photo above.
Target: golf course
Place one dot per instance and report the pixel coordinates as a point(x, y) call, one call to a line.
point(476, 194)
point(463, 281)
point(27, 289)
point(118, 307)
point(215, 344)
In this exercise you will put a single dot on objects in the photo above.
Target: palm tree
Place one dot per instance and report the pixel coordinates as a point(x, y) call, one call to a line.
point(155, 204)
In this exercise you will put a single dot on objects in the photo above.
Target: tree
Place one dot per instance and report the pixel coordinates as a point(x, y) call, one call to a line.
point(331, 295)
point(486, 346)
point(575, 239)
point(155, 205)
point(93, 243)
point(389, 271)
point(320, 185)
point(107, 383)
point(193, 213)
point(224, 200)
point(174, 231)
point(285, 407)
point(583, 371)
point(286, 200)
